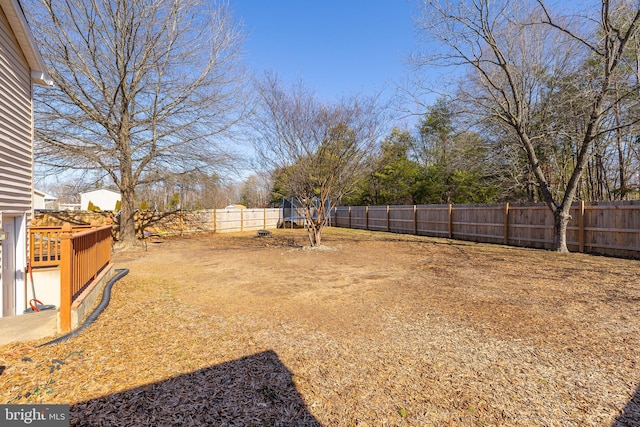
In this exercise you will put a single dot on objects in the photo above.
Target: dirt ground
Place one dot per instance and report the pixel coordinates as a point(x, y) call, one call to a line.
point(372, 329)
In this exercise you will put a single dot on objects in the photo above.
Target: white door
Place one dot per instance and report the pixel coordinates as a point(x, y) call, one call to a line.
point(8, 267)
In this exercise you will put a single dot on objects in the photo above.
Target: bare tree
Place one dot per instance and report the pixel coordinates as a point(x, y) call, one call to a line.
point(318, 148)
point(255, 191)
point(142, 87)
point(518, 56)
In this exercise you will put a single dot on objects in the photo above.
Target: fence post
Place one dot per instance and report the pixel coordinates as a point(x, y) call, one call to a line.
point(450, 221)
point(366, 218)
point(264, 218)
point(349, 218)
point(66, 267)
point(581, 227)
point(241, 219)
point(93, 254)
point(388, 219)
point(415, 219)
point(215, 220)
point(506, 223)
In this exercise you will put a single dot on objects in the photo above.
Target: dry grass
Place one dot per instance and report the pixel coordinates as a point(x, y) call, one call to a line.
point(379, 329)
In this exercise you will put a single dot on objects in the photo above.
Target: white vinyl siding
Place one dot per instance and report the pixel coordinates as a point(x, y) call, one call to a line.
point(16, 149)
point(1, 285)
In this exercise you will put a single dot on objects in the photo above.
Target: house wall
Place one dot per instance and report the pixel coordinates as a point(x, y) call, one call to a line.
point(46, 284)
point(16, 126)
point(16, 163)
point(2, 290)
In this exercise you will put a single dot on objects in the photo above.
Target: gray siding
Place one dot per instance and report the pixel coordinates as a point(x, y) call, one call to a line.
point(16, 147)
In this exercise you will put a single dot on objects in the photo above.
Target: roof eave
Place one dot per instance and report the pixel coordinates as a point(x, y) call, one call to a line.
point(27, 42)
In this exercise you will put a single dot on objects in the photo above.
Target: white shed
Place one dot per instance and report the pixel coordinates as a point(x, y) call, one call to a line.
point(106, 200)
point(42, 200)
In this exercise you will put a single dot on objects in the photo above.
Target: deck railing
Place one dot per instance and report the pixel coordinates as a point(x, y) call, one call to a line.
point(44, 245)
point(82, 256)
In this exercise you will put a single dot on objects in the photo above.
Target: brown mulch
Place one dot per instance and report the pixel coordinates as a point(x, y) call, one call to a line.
point(372, 329)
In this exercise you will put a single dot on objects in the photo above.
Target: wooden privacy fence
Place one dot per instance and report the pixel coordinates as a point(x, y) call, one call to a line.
point(210, 220)
point(244, 219)
point(611, 228)
point(83, 255)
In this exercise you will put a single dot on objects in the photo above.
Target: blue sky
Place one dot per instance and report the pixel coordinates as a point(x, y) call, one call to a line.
point(336, 47)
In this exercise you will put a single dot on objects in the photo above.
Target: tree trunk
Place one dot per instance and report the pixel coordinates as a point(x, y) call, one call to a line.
point(622, 195)
point(127, 218)
point(314, 231)
point(621, 169)
point(561, 219)
point(127, 204)
point(314, 235)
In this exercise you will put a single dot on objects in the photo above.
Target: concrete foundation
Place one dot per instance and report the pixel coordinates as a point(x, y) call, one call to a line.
point(81, 307)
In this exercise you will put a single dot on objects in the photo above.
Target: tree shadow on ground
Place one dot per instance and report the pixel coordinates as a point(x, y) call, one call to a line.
point(630, 416)
point(256, 390)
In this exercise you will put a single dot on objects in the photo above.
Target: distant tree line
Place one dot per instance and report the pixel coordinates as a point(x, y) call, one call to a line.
point(434, 163)
point(198, 190)
point(442, 161)
point(178, 191)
